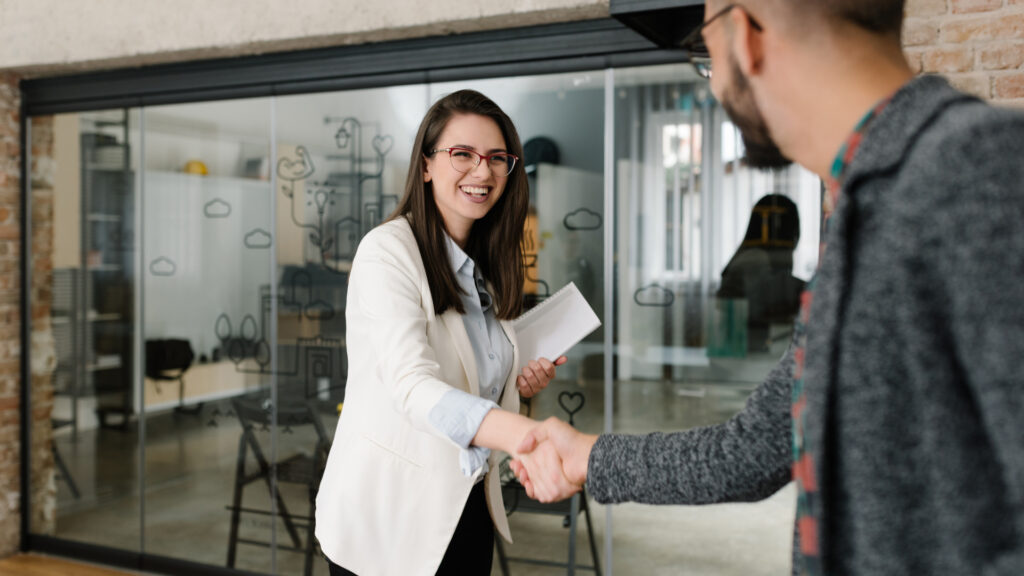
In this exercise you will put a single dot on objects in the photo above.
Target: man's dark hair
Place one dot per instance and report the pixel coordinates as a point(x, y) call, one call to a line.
point(878, 16)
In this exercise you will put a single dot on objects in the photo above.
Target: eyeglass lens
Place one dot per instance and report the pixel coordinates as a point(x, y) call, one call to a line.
point(466, 160)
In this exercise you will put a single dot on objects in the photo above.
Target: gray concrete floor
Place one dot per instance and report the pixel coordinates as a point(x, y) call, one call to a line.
point(190, 466)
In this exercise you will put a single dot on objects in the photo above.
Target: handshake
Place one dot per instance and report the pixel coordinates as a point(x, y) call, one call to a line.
point(551, 460)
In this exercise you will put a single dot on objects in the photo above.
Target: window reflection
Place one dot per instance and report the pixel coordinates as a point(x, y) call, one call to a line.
point(703, 307)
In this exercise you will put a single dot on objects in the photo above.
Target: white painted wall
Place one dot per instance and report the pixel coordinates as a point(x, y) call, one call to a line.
point(41, 37)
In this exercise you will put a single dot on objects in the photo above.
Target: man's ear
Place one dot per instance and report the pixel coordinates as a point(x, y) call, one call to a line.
point(747, 43)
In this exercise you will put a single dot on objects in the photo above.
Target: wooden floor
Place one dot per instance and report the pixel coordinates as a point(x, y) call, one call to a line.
point(32, 565)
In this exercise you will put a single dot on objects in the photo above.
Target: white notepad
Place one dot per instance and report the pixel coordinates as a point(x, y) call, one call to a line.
point(555, 325)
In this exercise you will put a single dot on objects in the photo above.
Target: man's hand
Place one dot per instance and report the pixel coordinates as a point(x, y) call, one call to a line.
point(536, 375)
point(552, 444)
point(541, 474)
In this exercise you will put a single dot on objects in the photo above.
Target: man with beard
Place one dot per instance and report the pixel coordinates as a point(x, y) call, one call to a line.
point(897, 409)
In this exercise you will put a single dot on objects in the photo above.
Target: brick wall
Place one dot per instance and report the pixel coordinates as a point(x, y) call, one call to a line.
point(977, 44)
point(10, 342)
point(43, 494)
point(43, 488)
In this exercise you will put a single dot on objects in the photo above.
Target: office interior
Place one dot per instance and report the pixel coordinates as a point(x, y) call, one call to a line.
point(197, 294)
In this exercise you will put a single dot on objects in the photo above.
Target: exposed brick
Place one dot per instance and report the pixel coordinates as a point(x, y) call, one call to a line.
point(926, 7)
point(967, 6)
point(943, 60)
point(990, 27)
point(1002, 56)
point(920, 32)
point(914, 58)
point(1008, 86)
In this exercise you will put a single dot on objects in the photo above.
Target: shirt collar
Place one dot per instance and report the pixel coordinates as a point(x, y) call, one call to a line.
point(461, 262)
point(834, 183)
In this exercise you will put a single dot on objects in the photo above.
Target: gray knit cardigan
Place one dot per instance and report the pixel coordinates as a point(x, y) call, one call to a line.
point(914, 367)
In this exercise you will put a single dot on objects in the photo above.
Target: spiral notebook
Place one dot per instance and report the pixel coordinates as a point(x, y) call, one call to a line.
point(555, 325)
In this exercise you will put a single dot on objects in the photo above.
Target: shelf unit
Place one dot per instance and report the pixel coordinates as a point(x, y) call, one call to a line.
point(104, 315)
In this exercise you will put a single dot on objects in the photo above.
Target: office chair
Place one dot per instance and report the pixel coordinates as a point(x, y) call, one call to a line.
point(168, 360)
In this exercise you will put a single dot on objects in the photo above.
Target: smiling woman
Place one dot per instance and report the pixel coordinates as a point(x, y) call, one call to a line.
point(465, 187)
point(432, 382)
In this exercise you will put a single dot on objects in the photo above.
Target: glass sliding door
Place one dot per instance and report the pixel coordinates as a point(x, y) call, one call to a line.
point(341, 160)
point(710, 259)
point(189, 277)
point(207, 246)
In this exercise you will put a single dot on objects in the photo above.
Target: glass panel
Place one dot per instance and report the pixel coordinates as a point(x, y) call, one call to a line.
point(246, 361)
point(84, 171)
point(207, 245)
point(342, 160)
point(560, 123)
point(709, 272)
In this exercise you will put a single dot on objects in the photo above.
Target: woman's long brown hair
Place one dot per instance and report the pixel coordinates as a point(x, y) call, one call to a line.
point(495, 241)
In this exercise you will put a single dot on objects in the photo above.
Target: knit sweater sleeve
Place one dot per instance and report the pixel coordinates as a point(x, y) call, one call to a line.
point(744, 459)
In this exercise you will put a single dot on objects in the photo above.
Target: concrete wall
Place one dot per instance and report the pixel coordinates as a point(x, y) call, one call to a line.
point(47, 36)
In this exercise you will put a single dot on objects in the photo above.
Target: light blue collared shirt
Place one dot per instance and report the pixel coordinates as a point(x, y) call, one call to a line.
point(459, 414)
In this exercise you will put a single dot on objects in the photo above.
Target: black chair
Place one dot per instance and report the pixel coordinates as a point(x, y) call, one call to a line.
point(302, 467)
point(167, 360)
point(516, 500)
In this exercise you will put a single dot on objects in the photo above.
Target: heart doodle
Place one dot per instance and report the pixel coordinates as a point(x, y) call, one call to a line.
point(383, 144)
point(571, 402)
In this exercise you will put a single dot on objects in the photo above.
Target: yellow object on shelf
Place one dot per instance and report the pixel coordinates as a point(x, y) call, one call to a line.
point(340, 406)
point(196, 167)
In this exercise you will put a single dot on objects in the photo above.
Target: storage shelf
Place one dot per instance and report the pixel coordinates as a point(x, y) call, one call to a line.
point(96, 167)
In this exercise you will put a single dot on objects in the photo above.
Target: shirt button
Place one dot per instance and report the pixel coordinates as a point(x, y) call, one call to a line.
point(494, 391)
point(491, 356)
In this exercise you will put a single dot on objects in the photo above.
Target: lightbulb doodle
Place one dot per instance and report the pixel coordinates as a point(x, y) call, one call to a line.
point(338, 208)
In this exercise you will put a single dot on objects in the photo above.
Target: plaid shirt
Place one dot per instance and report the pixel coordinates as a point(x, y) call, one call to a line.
point(808, 510)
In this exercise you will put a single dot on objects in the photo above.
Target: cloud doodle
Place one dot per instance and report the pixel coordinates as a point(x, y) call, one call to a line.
point(258, 239)
point(655, 296)
point(582, 219)
point(217, 208)
point(163, 266)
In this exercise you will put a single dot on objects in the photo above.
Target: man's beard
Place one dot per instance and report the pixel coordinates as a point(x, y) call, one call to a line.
point(761, 150)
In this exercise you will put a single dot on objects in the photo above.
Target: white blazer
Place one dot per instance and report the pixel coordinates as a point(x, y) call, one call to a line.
point(393, 492)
